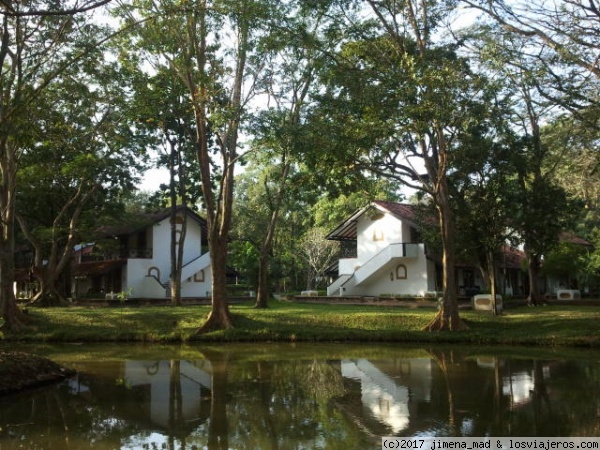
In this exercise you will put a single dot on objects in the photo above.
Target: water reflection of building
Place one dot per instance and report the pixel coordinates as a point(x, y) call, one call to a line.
point(388, 387)
point(167, 395)
point(169, 388)
point(425, 396)
point(518, 387)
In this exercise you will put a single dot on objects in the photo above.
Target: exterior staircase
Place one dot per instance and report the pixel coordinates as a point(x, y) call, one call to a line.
point(374, 266)
point(336, 288)
point(188, 270)
point(380, 261)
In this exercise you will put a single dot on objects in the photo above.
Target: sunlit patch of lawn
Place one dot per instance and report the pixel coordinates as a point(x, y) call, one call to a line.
point(282, 321)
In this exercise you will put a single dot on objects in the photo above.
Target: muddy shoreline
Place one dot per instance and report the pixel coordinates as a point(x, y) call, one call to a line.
point(20, 371)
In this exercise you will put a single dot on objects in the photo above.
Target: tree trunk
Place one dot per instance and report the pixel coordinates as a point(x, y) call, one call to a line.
point(447, 317)
point(262, 295)
point(533, 270)
point(491, 263)
point(177, 244)
point(218, 202)
point(49, 294)
point(14, 319)
point(219, 316)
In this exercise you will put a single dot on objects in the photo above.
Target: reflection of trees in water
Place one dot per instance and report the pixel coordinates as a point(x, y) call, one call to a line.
point(510, 397)
point(218, 429)
point(53, 418)
point(287, 404)
point(445, 362)
point(280, 404)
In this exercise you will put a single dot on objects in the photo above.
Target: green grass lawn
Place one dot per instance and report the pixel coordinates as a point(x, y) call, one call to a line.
point(282, 321)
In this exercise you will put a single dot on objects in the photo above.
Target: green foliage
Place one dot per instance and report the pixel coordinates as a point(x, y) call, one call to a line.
point(243, 255)
point(566, 260)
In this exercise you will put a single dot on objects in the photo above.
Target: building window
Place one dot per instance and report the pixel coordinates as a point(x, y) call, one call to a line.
point(401, 272)
point(154, 272)
point(179, 219)
point(199, 277)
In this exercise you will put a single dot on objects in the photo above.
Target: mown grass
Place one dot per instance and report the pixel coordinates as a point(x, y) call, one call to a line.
point(290, 322)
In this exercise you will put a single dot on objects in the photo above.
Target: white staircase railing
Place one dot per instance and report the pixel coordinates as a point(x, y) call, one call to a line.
point(381, 259)
point(334, 288)
point(195, 265)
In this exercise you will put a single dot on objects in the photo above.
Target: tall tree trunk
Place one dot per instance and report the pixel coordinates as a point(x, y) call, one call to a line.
point(491, 263)
point(533, 271)
point(448, 317)
point(264, 257)
point(218, 206)
point(14, 319)
point(262, 294)
point(219, 316)
point(177, 247)
point(49, 294)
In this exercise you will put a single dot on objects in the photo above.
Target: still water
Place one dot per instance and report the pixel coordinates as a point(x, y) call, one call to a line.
point(300, 396)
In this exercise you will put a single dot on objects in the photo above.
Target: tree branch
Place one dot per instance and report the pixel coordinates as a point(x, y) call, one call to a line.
point(6, 9)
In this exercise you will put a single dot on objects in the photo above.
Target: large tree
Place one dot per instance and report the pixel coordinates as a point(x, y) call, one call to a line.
point(39, 39)
point(540, 206)
point(404, 102)
point(161, 112)
point(82, 159)
point(262, 195)
point(569, 27)
point(292, 55)
point(210, 46)
point(484, 196)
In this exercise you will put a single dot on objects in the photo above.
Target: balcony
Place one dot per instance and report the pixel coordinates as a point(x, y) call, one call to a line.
point(134, 253)
point(139, 253)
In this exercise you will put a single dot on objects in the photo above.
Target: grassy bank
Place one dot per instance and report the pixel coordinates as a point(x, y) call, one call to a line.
point(545, 325)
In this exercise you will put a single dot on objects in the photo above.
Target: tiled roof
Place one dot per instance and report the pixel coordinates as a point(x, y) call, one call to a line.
point(139, 222)
point(512, 258)
point(403, 211)
point(346, 231)
point(573, 239)
point(97, 267)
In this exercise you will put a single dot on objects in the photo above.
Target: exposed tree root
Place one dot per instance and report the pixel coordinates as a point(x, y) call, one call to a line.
point(217, 320)
point(443, 323)
point(260, 304)
point(16, 322)
point(48, 298)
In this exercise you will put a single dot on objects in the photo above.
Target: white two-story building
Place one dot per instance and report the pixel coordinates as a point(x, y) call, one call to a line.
point(385, 256)
point(134, 258)
point(389, 257)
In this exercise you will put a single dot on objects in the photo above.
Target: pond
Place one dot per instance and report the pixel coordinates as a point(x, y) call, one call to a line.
point(304, 396)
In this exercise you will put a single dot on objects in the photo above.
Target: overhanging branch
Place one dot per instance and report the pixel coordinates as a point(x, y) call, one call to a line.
point(8, 10)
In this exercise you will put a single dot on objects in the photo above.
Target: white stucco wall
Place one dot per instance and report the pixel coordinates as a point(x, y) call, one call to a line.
point(431, 274)
point(416, 282)
point(143, 286)
point(375, 233)
point(420, 278)
point(347, 266)
point(193, 287)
